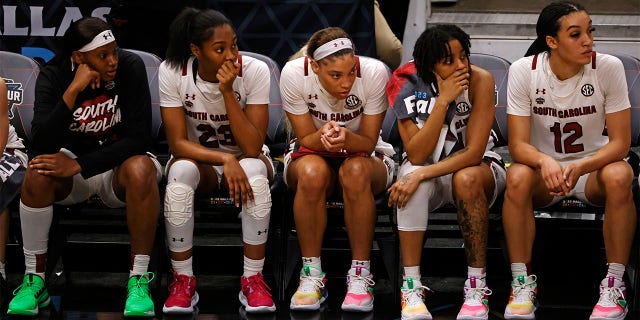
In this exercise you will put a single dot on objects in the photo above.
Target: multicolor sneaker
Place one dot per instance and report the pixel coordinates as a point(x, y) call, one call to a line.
point(255, 295)
point(182, 295)
point(139, 302)
point(522, 301)
point(612, 303)
point(476, 300)
point(29, 296)
point(412, 299)
point(311, 292)
point(359, 297)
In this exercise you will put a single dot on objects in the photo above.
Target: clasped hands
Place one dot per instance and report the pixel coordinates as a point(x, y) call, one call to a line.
point(333, 137)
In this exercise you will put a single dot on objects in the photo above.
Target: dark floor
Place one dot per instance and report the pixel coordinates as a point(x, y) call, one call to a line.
point(101, 296)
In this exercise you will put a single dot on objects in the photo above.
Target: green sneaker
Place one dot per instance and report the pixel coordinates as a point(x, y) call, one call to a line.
point(139, 302)
point(29, 296)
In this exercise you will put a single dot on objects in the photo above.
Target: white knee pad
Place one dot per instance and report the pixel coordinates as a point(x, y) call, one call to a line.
point(256, 213)
point(178, 216)
point(185, 172)
point(414, 216)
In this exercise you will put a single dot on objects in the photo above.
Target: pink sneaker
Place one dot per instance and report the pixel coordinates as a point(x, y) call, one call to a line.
point(359, 296)
point(255, 295)
point(476, 300)
point(182, 294)
point(612, 303)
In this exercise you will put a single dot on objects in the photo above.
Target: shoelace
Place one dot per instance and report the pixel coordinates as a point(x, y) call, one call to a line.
point(359, 284)
point(414, 296)
point(523, 292)
point(138, 290)
point(25, 285)
point(310, 283)
point(476, 295)
point(609, 296)
point(258, 284)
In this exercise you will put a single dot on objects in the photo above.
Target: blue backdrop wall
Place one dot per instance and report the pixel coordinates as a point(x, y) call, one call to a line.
point(276, 28)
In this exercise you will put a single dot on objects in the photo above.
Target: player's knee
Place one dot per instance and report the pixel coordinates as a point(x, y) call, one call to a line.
point(139, 172)
point(520, 177)
point(468, 184)
point(355, 175)
point(617, 178)
point(35, 184)
point(313, 179)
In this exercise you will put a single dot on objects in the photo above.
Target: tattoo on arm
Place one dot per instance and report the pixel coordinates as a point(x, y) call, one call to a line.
point(405, 178)
point(457, 153)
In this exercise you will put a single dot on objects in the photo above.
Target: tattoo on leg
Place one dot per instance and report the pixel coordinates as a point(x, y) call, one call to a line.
point(473, 220)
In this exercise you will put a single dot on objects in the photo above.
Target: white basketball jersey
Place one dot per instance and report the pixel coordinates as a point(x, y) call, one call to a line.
point(453, 136)
point(302, 92)
point(205, 113)
point(13, 141)
point(568, 117)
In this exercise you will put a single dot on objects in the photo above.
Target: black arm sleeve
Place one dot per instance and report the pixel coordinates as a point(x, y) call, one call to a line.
point(51, 116)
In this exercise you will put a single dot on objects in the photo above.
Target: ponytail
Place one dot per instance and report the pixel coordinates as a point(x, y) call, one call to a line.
point(549, 23)
point(539, 45)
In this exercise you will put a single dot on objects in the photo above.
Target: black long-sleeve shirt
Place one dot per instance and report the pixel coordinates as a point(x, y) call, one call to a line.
point(106, 126)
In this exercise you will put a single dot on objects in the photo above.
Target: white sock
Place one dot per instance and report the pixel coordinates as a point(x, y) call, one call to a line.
point(411, 272)
point(361, 263)
point(3, 271)
point(183, 266)
point(31, 262)
point(140, 265)
point(518, 269)
point(35, 224)
point(479, 274)
point(363, 266)
point(616, 270)
point(315, 263)
point(252, 267)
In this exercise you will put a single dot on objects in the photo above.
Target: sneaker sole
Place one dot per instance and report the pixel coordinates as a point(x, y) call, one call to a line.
point(420, 317)
point(485, 317)
point(604, 318)
point(182, 310)
point(531, 316)
point(259, 309)
point(139, 314)
point(32, 312)
point(357, 308)
point(307, 307)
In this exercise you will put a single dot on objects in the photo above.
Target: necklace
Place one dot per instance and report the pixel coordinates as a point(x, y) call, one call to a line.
point(571, 83)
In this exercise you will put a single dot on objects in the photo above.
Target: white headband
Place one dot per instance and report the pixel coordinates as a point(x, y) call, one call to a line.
point(332, 47)
point(100, 40)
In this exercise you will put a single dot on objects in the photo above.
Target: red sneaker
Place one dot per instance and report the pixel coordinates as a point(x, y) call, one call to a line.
point(255, 295)
point(182, 294)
